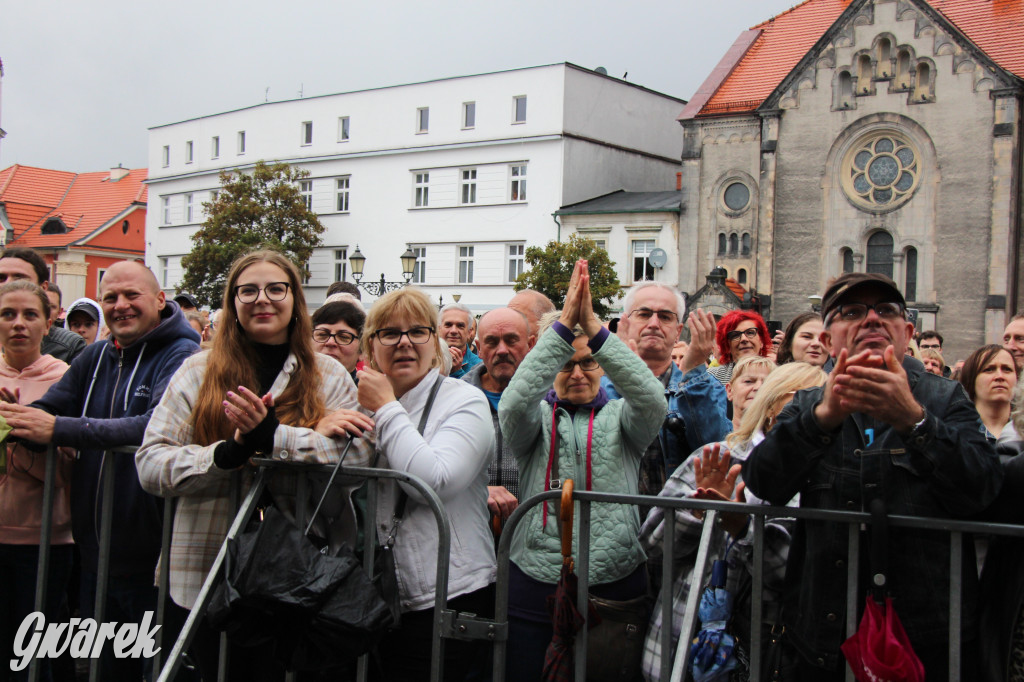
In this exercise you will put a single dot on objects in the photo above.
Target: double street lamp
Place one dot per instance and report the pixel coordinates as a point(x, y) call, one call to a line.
point(358, 262)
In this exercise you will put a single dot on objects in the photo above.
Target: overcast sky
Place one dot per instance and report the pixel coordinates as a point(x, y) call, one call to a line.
point(84, 80)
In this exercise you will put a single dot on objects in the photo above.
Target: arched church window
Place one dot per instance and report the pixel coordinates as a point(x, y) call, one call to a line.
point(847, 255)
point(881, 171)
point(844, 98)
point(923, 84)
point(910, 281)
point(884, 58)
point(880, 253)
point(864, 75)
point(721, 244)
point(745, 244)
point(741, 277)
point(733, 244)
point(903, 70)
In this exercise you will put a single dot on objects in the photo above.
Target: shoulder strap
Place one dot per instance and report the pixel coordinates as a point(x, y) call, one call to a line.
point(403, 498)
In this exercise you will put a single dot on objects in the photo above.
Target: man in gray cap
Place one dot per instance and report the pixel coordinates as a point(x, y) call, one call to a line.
point(881, 428)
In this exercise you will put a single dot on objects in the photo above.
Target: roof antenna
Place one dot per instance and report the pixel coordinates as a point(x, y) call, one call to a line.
point(301, 87)
point(266, 94)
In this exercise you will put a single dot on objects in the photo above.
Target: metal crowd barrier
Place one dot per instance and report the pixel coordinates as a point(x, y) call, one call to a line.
point(673, 659)
point(449, 624)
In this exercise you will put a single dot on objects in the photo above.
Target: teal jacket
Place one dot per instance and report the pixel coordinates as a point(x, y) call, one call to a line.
point(622, 431)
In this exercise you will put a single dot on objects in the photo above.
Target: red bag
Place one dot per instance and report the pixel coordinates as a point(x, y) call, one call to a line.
point(880, 651)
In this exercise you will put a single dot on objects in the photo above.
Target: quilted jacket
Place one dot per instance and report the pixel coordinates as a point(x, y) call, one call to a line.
point(622, 430)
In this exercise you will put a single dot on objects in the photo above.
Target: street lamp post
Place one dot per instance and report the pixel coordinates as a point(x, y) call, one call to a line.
point(358, 262)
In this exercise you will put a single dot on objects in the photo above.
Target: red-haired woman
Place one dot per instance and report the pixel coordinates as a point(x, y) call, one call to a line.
point(261, 389)
point(738, 334)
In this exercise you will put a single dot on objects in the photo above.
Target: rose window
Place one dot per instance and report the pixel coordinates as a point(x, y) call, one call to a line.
point(881, 172)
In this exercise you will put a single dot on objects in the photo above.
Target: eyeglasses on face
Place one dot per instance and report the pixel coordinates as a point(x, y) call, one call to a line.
point(392, 337)
point(736, 333)
point(342, 338)
point(855, 312)
point(275, 291)
point(645, 314)
point(586, 364)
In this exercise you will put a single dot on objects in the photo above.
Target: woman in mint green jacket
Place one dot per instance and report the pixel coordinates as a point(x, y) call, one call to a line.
point(597, 442)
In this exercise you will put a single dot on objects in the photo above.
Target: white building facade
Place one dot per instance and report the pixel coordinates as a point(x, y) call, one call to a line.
point(466, 171)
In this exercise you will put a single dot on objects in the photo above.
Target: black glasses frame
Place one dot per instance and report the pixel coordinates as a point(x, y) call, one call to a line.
point(265, 290)
point(407, 333)
point(335, 335)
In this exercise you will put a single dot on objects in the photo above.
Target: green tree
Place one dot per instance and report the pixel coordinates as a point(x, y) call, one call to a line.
point(259, 209)
point(551, 268)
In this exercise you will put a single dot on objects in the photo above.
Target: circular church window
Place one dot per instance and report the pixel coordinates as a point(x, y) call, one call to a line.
point(881, 171)
point(736, 196)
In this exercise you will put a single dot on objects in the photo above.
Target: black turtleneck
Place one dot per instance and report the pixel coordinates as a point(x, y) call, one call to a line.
point(231, 455)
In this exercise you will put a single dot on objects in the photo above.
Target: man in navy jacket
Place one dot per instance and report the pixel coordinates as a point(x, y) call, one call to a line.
point(105, 400)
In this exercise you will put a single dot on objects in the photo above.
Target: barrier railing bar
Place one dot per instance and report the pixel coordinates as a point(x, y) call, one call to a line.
point(583, 593)
point(206, 591)
point(163, 574)
point(667, 584)
point(369, 546)
point(103, 562)
point(693, 598)
point(45, 538)
point(956, 568)
point(757, 605)
point(852, 565)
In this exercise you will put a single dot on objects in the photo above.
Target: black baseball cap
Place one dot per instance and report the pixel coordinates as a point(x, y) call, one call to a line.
point(844, 284)
point(186, 298)
point(86, 308)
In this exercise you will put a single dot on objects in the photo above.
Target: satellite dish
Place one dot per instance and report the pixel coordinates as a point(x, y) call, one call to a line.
point(658, 257)
point(601, 70)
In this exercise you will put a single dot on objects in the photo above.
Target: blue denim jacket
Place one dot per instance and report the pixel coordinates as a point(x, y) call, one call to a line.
point(698, 401)
point(943, 469)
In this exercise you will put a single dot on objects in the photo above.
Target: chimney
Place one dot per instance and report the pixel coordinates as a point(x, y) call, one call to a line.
point(118, 173)
point(679, 182)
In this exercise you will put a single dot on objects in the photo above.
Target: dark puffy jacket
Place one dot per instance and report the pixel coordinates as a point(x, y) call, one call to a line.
point(105, 400)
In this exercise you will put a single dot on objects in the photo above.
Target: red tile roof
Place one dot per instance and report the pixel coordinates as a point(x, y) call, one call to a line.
point(84, 202)
point(735, 287)
point(995, 26)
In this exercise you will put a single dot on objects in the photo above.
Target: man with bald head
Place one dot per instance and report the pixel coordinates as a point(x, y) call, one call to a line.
point(105, 400)
point(504, 339)
point(534, 305)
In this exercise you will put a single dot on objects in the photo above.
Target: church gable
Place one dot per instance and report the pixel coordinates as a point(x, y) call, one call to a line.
point(878, 47)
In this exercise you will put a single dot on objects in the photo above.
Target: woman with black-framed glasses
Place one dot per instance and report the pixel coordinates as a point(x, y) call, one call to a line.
point(261, 390)
point(575, 431)
point(451, 454)
point(738, 334)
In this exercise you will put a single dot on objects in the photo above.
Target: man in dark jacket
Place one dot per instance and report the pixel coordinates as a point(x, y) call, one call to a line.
point(21, 263)
point(880, 428)
point(105, 400)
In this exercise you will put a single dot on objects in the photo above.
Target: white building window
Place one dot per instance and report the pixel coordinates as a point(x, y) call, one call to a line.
point(516, 261)
point(341, 189)
point(188, 151)
point(165, 209)
point(419, 272)
point(163, 271)
point(241, 141)
point(188, 208)
point(306, 190)
point(519, 109)
point(600, 243)
point(468, 115)
point(422, 119)
point(642, 268)
point(340, 265)
point(343, 129)
point(307, 133)
point(466, 264)
point(422, 189)
point(165, 157)
point(215, 147)
point(468, 186)
point(518, 191)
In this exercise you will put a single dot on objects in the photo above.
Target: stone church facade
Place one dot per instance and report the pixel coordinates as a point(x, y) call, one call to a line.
point(865, 135)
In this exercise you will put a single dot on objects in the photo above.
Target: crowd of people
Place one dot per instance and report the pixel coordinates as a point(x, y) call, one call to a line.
point(842, 409)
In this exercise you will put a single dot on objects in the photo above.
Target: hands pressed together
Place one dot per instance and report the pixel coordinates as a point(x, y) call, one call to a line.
point(579, 303)
point(876, 386)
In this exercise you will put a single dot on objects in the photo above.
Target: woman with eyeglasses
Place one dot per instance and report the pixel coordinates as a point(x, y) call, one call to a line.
point(261, 390)
point(575, 431)
point(738, 334)
point(337, 328)
point(402, 382)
